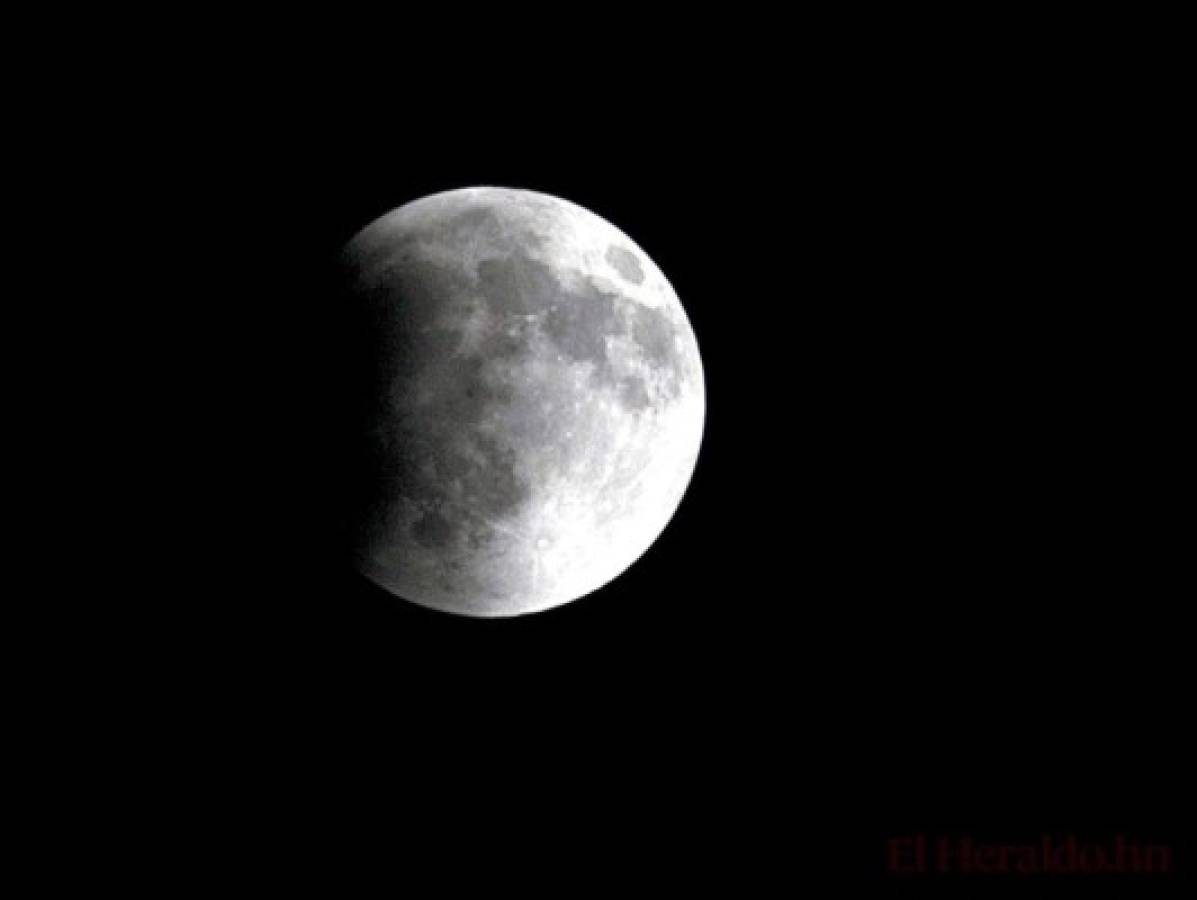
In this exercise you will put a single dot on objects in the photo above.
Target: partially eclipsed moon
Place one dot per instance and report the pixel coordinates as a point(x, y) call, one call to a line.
point(535, 405)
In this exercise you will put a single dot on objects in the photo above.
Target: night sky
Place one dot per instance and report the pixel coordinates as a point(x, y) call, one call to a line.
point(921, 578)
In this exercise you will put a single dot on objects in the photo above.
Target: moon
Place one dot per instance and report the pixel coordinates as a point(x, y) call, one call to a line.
point(533, 404)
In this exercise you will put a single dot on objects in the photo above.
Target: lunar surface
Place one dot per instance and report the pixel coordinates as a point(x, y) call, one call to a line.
point(534, 407)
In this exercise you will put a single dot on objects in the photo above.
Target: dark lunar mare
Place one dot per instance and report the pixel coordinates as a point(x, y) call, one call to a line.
point(579, 319)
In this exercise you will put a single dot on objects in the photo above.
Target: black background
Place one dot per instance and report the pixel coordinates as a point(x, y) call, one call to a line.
point(923, 577)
